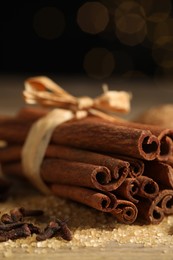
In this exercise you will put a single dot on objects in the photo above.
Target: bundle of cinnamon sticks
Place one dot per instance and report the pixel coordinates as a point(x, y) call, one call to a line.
point(120, 168)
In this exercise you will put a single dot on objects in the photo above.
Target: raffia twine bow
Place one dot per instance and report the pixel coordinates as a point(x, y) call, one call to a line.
point(45, 92)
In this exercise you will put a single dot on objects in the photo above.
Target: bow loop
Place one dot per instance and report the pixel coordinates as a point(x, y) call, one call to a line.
point(42, 90)
point(113, 101)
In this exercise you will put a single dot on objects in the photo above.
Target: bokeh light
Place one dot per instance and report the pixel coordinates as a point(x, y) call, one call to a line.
point(49, 23)
point(129, 7)
point(163, 53)
point(99, 63)
point(130, 23)
point(163, 31)
point(162, 50)
point(156, 11)
point(131, 29)
point(92, 17)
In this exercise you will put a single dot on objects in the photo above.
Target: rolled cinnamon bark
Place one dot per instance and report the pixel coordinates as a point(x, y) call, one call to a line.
point(165, 137)
point(102, 136)
point(125, 212)
point(118, 168)
point(96, 135)
point(128, 189)
point(148, 188)
point(105, 202)
point(153, 211)
point(66, 172)
point(160, 172)
point(60, 171)
point(136, 167)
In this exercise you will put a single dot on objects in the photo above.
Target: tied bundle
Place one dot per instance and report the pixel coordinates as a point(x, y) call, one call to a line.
point(81, 153)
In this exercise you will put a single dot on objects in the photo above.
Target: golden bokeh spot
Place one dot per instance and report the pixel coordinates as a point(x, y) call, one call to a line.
point(131, 29)
point(99, 63)
point(92, 17)
point(128, 7)
point(49, 23)
point(163, 31)
point(163, 53)
point(156, 10)
point(130, 23)
point(163, 44)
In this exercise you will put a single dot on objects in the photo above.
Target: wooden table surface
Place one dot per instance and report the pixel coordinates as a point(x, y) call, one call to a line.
point(145, 95)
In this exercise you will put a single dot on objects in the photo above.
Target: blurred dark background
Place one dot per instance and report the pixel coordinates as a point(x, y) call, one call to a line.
point(98, 39)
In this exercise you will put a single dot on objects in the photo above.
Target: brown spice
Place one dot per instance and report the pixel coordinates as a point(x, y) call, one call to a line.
point(106, 173)
point(49, 232)
point(6, 219)
point(128, 190)
point(22, 231)
point(12, 227)
point(102, 201)
point(126, 212)
point(64, 231)
point(93, 134)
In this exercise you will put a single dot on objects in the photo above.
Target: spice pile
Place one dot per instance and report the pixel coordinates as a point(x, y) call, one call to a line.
point(120, 168)
point(13, 226)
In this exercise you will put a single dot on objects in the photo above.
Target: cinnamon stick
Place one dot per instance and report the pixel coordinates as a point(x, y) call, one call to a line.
point(148, 188)
point(153, 211)
point(68, 172)
point(93, 134)
point(116, 172)
point(136, 166)
point(118, 168)
point(102, 136)
point(105, 202)
point(125, 212)
point(165, 137)
point(128, 190)
point(60, 171)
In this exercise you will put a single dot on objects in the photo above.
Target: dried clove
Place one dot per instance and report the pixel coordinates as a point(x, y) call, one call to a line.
point(31, 212)
point(34, 229)
point(49, 231)
point(16, 214)
point(6, 219)
point(64, 231)
point(10, 226)
point(16, 233)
